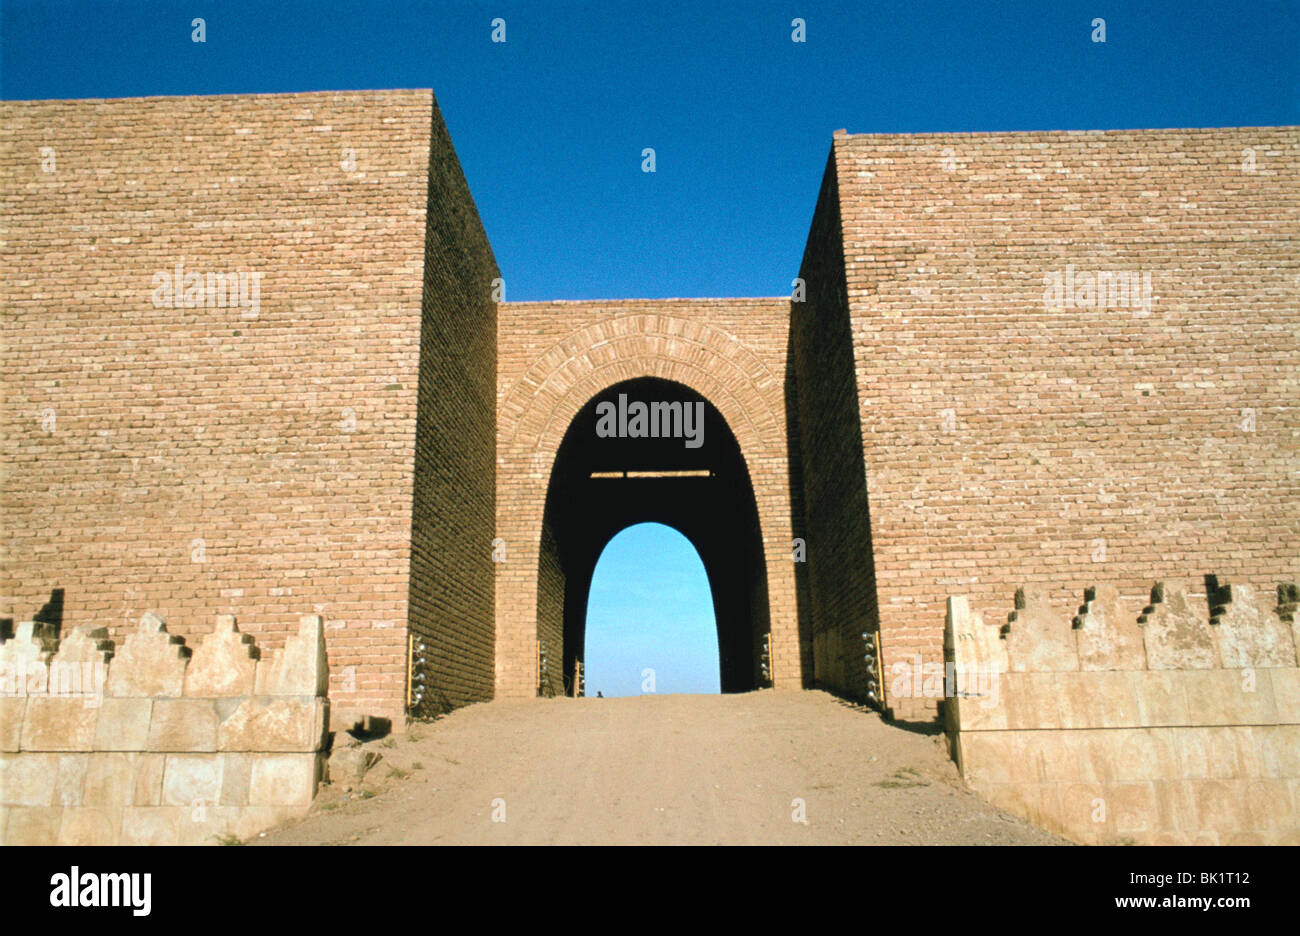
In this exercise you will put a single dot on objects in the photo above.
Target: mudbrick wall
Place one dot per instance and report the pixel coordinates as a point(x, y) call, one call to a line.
point(837, 579)
point(1177, 723)
point(1075, 358)
point(251, 346)
point(154, 742)
point(221, 317)
point(454, 473)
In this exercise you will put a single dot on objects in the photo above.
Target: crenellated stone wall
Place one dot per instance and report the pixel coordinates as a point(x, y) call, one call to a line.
point(1177, 722)
point(155, 742)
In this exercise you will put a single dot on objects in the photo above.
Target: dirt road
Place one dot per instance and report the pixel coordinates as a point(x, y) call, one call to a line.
point(738, 769)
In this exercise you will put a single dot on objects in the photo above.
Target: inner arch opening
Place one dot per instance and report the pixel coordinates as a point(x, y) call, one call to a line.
point(613, 471)
point(650, 624)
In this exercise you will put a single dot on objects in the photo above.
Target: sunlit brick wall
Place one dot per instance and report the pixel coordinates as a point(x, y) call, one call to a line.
point(255, 459)
point(1013, 437)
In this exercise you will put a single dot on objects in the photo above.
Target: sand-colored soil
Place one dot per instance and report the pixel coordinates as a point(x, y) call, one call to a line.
point(658, 770)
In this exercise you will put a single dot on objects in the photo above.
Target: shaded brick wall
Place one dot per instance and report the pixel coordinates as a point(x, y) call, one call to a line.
point(256, 462)
point(455, 454)
point(840, 583)
point(550, 614)
point(1008, 442)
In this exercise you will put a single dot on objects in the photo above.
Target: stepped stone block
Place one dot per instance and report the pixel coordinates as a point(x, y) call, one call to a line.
point(224, 663)
point(299, 668)
point(27, 647)
point(1247, 633)
point(84, 645)
point(978, 664)
point(1176, 635)
point(151, 663)
point(1038, 639)
point(974, 644)
point(24, 661)
point(1107, 634)
point(1288, 601)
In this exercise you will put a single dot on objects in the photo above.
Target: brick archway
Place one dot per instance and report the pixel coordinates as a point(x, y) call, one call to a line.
point(536, 410)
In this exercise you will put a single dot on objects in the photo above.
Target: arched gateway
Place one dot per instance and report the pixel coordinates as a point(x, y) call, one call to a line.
point(566, 484)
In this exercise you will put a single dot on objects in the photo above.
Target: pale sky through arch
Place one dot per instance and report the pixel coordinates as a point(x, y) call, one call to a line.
point(651, 607)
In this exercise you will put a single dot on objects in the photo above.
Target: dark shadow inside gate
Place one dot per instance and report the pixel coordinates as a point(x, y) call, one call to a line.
point(602, 483)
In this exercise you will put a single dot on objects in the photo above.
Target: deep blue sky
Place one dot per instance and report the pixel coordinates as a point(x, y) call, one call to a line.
point(550, 125)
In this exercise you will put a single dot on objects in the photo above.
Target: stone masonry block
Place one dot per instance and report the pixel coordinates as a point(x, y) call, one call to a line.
point(148, 772)
point(1161, 698)
point(192, 779)
point(70, 777)
point(183, 725)
point(1286, 693)
point(236, 775)
point(109, 780)
point(12, 710)
point(274, 723)
point(33, 825)
point(1246, 632)
point(1223, 697)
point(54, 723)
point(152, 825)
point(283, 780)
point(123, 724)
point(28, 779)
point(90, 825)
